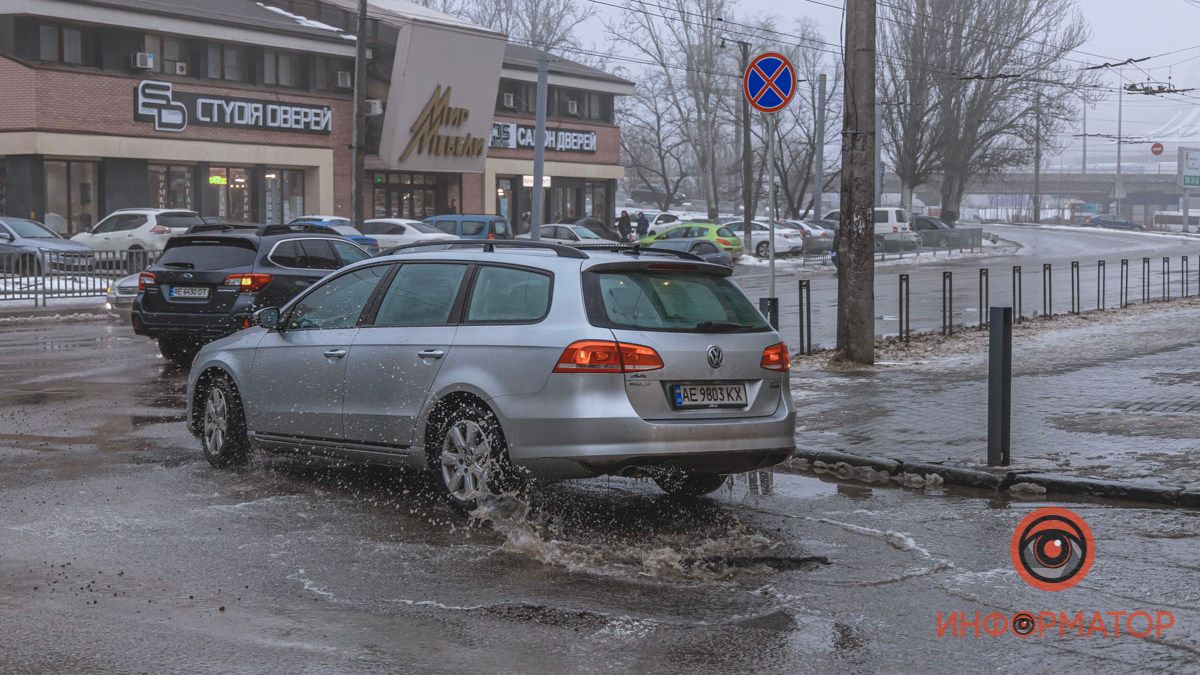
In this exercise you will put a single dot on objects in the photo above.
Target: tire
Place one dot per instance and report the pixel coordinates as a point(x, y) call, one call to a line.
point(762, 249)
point(223, 425)
point(469, 455)
point(136, 260)
point(179, 350)
point(689, 483)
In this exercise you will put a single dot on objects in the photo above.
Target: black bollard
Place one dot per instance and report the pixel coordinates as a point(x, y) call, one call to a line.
point(999, 385)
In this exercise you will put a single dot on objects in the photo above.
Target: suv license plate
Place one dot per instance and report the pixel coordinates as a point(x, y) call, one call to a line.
point(709, 395)
point(189, 292)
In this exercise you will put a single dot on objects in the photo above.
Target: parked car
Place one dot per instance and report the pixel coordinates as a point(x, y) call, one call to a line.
point(788, 241)
point(832, 220)
point(472, 226)
point(393, 232)
point(703, 248)
point(933, 231)
point(719, 234)
point(131, 235)
point(1111, 221)
point(596, 226)
point(659, 220)
point(208, 282)
point(342, 227)
point(119, 295)
point(28, 247)
point(817, 238)
point(491, 366)
point(568, 235)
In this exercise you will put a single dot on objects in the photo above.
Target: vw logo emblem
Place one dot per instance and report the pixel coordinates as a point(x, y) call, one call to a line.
point(188, 275)
point(715, 357)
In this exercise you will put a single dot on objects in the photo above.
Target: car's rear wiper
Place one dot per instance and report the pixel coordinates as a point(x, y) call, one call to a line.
point(718, 326)
point(180, 265)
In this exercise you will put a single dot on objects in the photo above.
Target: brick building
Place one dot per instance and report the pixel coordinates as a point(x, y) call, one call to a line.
point(243, 109)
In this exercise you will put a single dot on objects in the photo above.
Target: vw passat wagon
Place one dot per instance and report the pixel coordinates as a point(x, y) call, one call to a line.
point(489, 362)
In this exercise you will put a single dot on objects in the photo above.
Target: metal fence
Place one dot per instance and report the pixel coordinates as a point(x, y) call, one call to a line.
point(43, 275)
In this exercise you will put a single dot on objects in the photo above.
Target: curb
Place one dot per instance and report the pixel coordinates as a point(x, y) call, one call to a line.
point(999, 481)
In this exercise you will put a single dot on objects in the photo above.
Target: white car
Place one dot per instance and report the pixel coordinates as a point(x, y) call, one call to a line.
point(788, 241)
point(132, 233)
point(393, 232)
point(568, 235)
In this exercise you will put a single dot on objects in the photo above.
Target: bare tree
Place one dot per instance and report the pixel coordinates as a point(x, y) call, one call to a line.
point(652, 141)
point(545, 24)
point(910, 96)
point(451, 7)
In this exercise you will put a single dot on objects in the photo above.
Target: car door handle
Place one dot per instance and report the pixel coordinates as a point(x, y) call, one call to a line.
point(431, 353)
point(335, 353)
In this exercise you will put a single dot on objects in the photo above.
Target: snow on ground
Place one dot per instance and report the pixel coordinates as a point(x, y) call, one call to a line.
point(304, 21)
point(1139, 233)
point(1001, 247)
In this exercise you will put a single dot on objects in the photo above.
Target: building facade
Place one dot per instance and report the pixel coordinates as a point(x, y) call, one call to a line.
point(244, 110)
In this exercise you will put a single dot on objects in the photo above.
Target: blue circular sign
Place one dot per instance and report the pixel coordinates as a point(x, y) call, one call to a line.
point(769, 82)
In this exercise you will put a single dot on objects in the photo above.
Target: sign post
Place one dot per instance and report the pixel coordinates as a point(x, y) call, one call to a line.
point(1188, 172)
point(769, 83)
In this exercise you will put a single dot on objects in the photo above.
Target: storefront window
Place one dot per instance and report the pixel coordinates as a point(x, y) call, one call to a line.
point(71, 196)
point(285, 195)
point(171, 187)
point(413, 195)
point(228, 193)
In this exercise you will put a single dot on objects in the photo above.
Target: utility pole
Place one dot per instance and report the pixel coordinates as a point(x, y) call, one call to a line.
point(747, 156)
point(856, 249)
point(358, 136)
point(818, 172)
point(1085, 136)
point(539, 149)
point(1119, 190)
point(879, 170)
point(1037, 158)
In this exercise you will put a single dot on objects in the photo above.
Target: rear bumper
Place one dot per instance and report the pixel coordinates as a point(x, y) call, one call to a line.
point(203, 326)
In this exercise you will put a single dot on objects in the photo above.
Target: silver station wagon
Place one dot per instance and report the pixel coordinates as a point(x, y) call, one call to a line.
point(491, 362)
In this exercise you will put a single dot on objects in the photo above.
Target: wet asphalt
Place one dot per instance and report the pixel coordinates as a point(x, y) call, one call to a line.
point(121, 550)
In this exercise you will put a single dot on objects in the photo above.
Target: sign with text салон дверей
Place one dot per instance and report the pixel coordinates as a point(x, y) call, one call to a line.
point(172, 110)
point(520, 136)
point(1189, 167)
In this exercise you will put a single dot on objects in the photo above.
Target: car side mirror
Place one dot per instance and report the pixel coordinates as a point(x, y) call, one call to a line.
point(267, 317)
point(4, 236)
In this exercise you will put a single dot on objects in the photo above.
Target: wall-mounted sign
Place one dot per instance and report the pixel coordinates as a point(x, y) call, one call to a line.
point(513, 135)
point(171, 110)
point(436, 116)
point(1189, 167)
point(527, 181)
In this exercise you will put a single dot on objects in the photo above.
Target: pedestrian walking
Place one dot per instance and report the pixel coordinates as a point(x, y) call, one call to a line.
point(643, 225)
point(623, 226)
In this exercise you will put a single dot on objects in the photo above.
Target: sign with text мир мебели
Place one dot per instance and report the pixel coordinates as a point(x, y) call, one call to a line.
point(1189, 167)
point(520, 136)
point(171, 110)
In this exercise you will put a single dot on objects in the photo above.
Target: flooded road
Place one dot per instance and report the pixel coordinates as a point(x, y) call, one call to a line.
point(122, 550)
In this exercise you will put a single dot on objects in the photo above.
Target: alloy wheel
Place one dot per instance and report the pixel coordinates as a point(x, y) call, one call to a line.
point(216, 421)
point(466, 453)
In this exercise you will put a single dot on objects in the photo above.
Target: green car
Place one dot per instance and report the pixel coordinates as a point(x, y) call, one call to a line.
point(718, 234)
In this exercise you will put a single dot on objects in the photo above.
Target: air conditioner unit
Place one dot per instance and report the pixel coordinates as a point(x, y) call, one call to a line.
point(345, 79)
point(510, 100)
point(374, 107)
point(573, 107)
point(181, 68)
point(143, 61)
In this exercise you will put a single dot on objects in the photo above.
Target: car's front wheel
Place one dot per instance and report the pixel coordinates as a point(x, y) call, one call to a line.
point(179, 350)
point(763, 249)
point(472, 456)
point(689, 483)
point(223, 425)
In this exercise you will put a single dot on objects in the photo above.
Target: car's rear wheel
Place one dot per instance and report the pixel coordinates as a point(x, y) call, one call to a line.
point(223, 425)
point(689, 483)
point(472, 456)
point(179, 350)
point(762, 249)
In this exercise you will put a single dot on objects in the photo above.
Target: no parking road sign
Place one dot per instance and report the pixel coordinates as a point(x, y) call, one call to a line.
point(769, 82)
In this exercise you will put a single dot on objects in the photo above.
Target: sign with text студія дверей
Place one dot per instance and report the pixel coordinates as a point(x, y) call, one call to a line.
point(520, 136)
point(1189, 167)
point(171, 110)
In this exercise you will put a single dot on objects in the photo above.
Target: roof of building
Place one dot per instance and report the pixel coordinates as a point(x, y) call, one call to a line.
point(526, 58)
point(245, 13)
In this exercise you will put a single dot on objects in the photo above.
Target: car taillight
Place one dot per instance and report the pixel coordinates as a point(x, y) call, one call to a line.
point(248, 283)
point(160, 229)
point(776, 358)
point(146, 279)
point(606, 356)
point(491, 235)
point(724, 242)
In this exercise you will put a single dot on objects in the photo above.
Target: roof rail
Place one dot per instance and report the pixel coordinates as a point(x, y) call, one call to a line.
point(638, 249)
point(489, 245)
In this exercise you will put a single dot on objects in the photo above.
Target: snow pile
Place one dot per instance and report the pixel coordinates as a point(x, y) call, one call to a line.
point(304, 21)
point(1027, 489)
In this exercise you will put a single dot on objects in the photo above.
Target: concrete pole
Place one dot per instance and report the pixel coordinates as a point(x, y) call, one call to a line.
point(1085, 137)
point(1037, 158)
point(539, 149)
point(1120, 115)
point(879, 171)
point(819, 161)
point(856, 255)
point(358, 134)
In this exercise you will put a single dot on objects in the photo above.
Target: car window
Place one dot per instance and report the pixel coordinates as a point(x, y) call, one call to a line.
point(425, 227)
point(207, 254)
point(669, 300)
point(287, 254)
point(500, 228)
point(548, 232)
point(446, 226)
point(724, 232)
point(106, 225)
point(319, 255)
point(901, 216)
point(29, 229)
point(337, 303)
point(421, 295)
point(397, 229)
point(470, 228)
point(507, 295)
point(880, 216)
point(704, 248)
point(348, 253)
point(129, 222)
point(585, 233)
point(566, 233)
point(373, 228)
point(677, 233)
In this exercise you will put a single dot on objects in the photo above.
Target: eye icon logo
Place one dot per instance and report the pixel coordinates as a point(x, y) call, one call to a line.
point(1053, 549)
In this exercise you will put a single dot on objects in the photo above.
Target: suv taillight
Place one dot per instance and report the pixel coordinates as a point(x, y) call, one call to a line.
point(248, 283)
point(160, 229)
point(606, 356)
point(146, 279)
point(776, 358)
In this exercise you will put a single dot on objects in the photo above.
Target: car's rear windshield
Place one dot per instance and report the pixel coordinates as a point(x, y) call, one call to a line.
point(207, 254)
point(669, 300)
point(179, 220)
